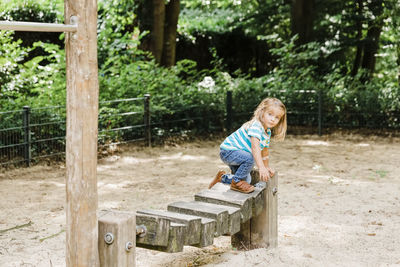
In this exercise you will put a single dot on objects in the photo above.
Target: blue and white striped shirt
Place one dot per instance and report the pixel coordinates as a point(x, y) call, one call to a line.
point(240, 139)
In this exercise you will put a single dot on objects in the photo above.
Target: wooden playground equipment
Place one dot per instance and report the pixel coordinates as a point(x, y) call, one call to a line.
point(250, 220)
point(109, 238)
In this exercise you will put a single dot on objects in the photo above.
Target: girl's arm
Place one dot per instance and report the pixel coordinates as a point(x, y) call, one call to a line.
point(256, 151)
point(265, 159)
point(265, 156)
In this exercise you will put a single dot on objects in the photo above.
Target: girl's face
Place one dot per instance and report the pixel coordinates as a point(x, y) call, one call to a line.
point(272, 116)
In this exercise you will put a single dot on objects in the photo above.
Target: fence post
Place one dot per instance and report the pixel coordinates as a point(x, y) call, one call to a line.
point(147, 131)
point(27, 134)
point(319, 112)
point(229, 115)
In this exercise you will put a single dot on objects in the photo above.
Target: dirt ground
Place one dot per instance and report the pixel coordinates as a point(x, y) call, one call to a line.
point(338, 203)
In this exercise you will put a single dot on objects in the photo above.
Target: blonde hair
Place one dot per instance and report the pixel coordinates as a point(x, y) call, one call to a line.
point(279, 131)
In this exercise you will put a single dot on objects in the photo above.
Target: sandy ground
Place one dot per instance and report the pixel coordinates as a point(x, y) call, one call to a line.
point(338, 203)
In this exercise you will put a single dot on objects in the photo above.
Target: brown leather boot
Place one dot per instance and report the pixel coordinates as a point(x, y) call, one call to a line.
point(242, 186)
point(217, 179)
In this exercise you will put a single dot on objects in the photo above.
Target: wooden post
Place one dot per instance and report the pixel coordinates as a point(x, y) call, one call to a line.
point(117, 239)
point(264, 227)
point(261, 230)
point(81, 140)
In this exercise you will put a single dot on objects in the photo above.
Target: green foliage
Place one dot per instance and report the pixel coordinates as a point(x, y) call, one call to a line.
point(30, 82)
point(348, 101)
point(57, 5)
point(116, 34)
point(294, 74)
point(215, 4)
point(44, 11)
point(11, 54)
point(30, 11)
point(208, 21)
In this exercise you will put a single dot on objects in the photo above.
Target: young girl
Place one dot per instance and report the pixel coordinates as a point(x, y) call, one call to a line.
point(250, 144)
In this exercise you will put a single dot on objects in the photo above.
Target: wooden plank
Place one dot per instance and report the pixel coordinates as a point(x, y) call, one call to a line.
point(256, 195)
point(121, 227)
point(207, 226)
point(176, 239)
point(193, 223)
point(157, 231)
point(228, 198)
point(212, 211)
point(218, 213)
point(81, 136)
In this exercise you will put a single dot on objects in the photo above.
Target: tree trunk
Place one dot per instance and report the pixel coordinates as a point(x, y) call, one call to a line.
point(371, 45)
point(171, 23)
point(161, 22)
point(357, 59)
point(157, 34)
point(145, 22)
point(371, 48)
point(302, 15)
point(398, 64)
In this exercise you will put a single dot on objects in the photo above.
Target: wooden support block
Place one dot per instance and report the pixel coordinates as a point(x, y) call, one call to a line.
point(117, 239)
point(234, 220)
point(255, 176)
point(157, 231)
point(264, 227)
point(219, 213)
point(262, 230)
point(242, 240)
point(258, 203)
point(228, 198)
point(193, 223)
point(177, 233)
point(207, 232)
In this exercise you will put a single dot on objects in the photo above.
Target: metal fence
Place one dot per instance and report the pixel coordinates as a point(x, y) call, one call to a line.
point(33, 134)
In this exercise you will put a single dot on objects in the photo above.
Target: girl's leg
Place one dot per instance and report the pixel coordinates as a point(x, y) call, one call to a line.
point(227, 178)
point(240, 163)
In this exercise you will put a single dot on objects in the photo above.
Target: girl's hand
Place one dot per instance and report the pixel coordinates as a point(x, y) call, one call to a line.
point(271, 171)
point(264, 174)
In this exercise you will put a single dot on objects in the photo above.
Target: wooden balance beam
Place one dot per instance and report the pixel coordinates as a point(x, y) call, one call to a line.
point(250, 220)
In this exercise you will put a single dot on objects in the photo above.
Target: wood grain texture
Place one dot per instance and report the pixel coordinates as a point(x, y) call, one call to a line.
point(81, 139)
point(123, 228)
point(264, 227)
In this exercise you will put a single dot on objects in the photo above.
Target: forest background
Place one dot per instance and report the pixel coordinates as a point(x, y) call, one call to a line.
point(191, 52)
